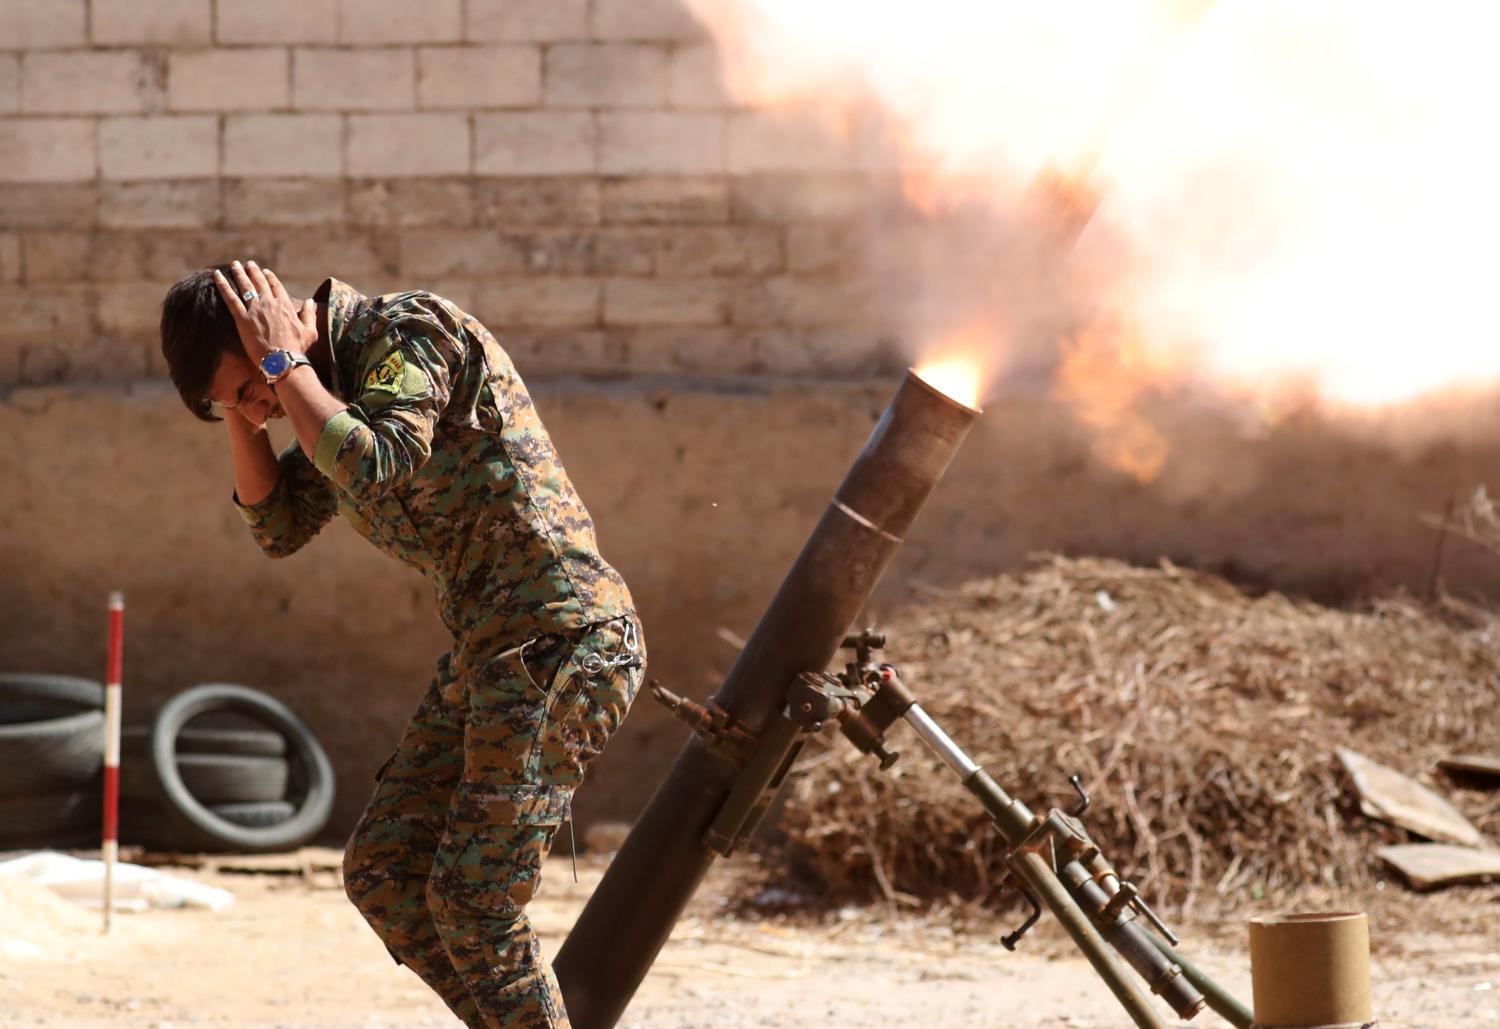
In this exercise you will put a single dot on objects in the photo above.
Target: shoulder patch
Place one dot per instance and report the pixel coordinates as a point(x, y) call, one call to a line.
point(388, 375)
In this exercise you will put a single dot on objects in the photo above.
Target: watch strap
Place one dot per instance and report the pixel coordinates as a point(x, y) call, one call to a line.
point(293, 361)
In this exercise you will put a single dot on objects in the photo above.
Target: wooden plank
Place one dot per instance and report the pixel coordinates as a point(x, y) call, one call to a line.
point(297, 862)
point(1472, 764)
point(1428, 866)
point(1386, 794)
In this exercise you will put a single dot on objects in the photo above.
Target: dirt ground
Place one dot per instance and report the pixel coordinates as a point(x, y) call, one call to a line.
point(291, 951)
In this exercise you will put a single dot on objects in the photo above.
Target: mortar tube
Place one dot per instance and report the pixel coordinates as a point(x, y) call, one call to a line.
point(658, 868)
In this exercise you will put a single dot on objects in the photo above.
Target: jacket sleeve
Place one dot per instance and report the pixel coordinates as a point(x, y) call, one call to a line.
point(293, 513)
point(383, 437)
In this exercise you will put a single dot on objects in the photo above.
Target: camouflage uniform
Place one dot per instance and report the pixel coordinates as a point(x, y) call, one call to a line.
point(441, 461)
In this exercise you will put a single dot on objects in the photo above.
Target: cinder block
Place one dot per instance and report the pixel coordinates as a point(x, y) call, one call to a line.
point(269, 202)
point(308, 22)
point(719, 250)
point(825, 246)
point(553, 251)
point(42, 24)
point(279, 145)
point(625, 251)
point(175, 204)
point(697, 80)
point(666, 302)
point(807, 302)
point(53, 312)
point(10, 257)
point(540, 302)
point(37, 205)
point(131, 311)
point(56, 256)
point(228, 79)
point(10, 83)
point(826, 351)
point(159, 22)
point(165, 146)
point(348, 254)
point(167, 256)
point(397, 145)
point(805, 196)
point(761, 141)
point(701, 349)
point(645, 19)
point(642, 142)
point(364, 22)
point(83, 82)
point(534, 143)
point(412, 203)
point(661, 199)
point(570, 352)
point(95, 359)
point(542, 200)
point(607, 75)
point(456, 253)
point(382, 79)
point(47, 150)
point(528, 21)
point(479, 76)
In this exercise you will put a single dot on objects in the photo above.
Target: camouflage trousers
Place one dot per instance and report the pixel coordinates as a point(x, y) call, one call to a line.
point(450, 849)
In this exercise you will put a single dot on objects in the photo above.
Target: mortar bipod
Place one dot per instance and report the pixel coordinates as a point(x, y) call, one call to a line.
point(1054, 859)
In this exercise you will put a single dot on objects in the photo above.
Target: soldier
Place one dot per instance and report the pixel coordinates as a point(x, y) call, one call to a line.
point(413, 424)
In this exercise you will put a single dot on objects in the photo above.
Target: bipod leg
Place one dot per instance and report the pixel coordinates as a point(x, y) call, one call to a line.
point(1032, 867)
point(1229, 1007)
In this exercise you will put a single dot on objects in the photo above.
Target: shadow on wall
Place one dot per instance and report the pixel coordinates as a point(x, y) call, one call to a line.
point(702, 495)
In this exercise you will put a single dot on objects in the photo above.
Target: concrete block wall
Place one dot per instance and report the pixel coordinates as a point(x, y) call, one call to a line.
point(571, 171)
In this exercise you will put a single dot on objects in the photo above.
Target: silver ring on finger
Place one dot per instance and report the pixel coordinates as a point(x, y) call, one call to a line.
point(249, 296)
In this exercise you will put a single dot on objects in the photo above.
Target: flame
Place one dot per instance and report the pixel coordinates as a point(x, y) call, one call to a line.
point(1245, 195)
point(957, 377)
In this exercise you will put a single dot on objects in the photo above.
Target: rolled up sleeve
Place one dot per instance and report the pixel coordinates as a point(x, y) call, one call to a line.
point(294, 511)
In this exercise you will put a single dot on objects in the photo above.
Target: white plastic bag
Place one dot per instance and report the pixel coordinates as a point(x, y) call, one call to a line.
point(136, 887)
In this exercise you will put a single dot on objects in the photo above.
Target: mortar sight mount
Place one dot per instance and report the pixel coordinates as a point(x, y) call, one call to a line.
point(1053, 859)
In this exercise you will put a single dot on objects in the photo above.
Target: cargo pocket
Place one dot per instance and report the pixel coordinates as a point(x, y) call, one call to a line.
point(490, 860)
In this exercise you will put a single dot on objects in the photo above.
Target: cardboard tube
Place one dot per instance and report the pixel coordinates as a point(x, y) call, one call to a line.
point(1310, 970)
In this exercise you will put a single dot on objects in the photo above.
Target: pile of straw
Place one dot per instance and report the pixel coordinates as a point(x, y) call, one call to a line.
point(1203, 721)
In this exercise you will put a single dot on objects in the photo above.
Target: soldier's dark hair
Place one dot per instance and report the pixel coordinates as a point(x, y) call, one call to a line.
point(196, 331)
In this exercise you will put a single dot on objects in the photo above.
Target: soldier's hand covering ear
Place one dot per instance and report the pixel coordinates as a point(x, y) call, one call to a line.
point(269, 320)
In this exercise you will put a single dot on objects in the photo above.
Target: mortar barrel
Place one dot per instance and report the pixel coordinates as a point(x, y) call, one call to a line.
point(658, 868)
point(1311, 970)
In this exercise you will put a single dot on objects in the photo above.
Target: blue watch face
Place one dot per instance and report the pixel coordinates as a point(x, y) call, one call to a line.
point(275, 363)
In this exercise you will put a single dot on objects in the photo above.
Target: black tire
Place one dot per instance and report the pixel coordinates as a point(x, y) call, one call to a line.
point(249, 742)
point(56, 689)
point(51, 733)
point(233, 778)
point(194, 824)
point(243, 772)
point(271, 812)
point(195, 740)
point(66, 818)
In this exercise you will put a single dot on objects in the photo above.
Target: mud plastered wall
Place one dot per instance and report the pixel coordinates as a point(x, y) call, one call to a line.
point(681, 281)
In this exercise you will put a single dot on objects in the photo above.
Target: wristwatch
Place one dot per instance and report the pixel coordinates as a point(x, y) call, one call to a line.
point(278, 364)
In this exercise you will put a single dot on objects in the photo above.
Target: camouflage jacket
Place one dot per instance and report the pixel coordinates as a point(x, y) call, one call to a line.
point(441, 461)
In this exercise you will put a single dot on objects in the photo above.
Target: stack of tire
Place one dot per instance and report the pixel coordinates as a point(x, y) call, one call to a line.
point(223, 768)
point(51, 761)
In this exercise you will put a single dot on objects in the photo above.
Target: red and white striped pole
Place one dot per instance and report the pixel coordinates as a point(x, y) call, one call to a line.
point(112, 748)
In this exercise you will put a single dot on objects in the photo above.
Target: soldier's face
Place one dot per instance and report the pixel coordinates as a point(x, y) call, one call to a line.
point(239, 387)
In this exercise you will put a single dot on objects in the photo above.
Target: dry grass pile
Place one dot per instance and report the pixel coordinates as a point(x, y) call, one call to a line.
point(1203, 721)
